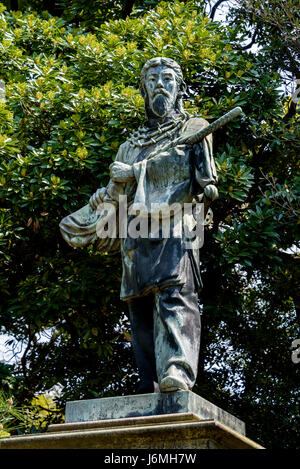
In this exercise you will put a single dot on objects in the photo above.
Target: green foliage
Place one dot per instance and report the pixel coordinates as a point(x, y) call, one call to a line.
point(277, 28)
point(71, 98)
point(9, 415)
point(32, 418)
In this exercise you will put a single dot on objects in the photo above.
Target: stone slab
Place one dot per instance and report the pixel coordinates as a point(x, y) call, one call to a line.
point(141, 405)
point(136, 433)
point(124, 422)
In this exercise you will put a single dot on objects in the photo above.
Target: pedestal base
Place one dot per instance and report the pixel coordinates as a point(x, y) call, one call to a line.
point(142, 405)
point(180, 428)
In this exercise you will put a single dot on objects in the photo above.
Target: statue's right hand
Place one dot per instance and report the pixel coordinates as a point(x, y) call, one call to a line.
point(211, 192)
point(121, 172)
point(97, 198)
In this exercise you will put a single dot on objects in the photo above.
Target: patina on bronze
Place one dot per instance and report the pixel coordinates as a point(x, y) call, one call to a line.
point(168, 160)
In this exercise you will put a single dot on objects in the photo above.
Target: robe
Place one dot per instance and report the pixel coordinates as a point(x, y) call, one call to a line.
point(173, 177)
point(162, 178)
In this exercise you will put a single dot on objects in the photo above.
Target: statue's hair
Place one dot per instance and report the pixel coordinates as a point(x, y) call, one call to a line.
point(155, 62)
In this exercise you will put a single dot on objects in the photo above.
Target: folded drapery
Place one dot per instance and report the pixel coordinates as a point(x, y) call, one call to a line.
point(85, 227)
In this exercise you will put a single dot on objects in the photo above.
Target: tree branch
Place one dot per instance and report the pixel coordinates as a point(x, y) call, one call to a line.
point(215, 7)
point(127, 8)
point(53, 411)
point(23, 359)
point(248, 46)
point(291, 111)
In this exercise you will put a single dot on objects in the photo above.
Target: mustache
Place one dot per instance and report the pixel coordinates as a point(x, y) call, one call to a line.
point(161, 91)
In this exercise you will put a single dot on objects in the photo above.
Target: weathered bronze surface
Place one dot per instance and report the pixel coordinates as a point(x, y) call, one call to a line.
point(166, 163)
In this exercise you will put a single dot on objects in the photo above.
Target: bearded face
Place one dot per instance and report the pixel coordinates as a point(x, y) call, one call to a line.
point(161, 89)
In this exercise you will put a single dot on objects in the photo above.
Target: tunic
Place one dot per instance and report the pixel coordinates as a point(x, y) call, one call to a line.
point(175, 176)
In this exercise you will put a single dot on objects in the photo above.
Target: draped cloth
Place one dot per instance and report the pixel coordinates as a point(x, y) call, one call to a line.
point(166, 176)
point(161, 177)
point(176, 176)
point(81, 228)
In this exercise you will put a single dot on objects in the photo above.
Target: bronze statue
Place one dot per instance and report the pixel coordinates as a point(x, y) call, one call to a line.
point(166, 163)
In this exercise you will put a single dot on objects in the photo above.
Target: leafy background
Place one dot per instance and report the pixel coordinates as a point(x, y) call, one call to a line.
point(71, 72)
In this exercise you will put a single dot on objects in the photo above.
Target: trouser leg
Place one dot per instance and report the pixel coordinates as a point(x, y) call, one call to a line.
point(166, 332)
point(177, 331)
point(141, 320)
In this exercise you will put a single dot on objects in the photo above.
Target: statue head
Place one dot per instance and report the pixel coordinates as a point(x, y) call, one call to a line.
point(162, 87)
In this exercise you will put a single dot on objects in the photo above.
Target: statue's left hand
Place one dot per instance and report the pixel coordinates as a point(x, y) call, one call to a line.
point(97, 198)
point(121, 172)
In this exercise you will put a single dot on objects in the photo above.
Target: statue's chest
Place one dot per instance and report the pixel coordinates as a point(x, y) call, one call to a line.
point(169, 168)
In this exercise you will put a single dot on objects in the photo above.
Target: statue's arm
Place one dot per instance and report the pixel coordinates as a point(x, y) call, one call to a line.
point(120, 172)
point(204, 169)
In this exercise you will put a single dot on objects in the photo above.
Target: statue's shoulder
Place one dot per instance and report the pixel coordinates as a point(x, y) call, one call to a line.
point(194, 124)
point(124, 145)
point(123, 150)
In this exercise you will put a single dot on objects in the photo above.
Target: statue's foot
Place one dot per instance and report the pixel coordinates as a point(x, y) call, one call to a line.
point(171, 384)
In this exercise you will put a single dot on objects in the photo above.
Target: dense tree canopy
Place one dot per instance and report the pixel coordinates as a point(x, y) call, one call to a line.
point(71, 98)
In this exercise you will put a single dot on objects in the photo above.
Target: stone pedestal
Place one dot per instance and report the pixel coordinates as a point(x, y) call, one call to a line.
point(177, 420)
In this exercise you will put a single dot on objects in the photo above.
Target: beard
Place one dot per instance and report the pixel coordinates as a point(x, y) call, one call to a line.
point(160, 105)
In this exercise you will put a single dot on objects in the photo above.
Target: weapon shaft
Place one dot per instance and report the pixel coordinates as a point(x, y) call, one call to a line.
point(198, 136)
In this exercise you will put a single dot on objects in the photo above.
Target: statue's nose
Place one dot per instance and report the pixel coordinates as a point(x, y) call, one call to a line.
point(159, 83)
